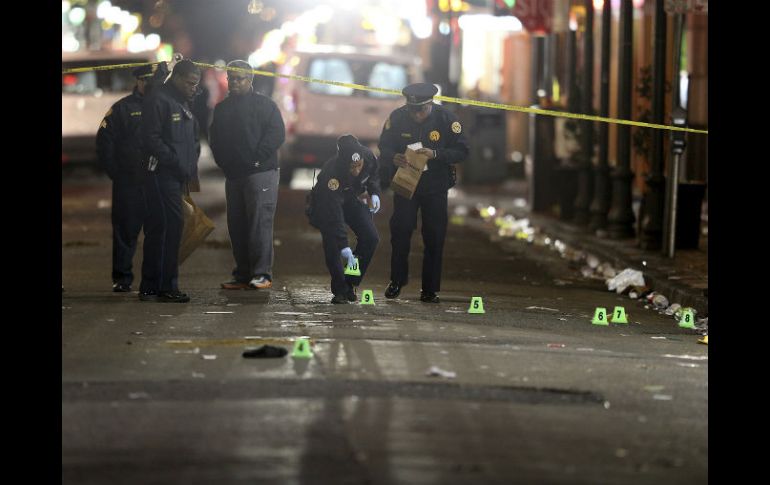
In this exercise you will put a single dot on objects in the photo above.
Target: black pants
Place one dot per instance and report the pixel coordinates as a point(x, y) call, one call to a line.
point(434, 223)
point(359, 219)
point(128, 212)
point(162, 233)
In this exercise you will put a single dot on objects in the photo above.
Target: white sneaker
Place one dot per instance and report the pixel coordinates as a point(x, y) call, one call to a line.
point(260, 283)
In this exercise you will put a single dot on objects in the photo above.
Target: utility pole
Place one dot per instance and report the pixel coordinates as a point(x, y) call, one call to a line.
point(621, 216)
point(654, 200)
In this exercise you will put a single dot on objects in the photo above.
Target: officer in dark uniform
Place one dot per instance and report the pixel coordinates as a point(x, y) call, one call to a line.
point(444, 143)
point(120, 155)
point(336, 200)
point(171, 147)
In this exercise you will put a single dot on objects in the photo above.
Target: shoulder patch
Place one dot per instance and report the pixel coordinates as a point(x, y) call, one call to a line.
point(435, 135)
point(333, 184)
point(456, 127)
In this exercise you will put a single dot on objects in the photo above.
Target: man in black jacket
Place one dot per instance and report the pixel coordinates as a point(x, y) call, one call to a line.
point(444, 143)
point(245, 135)
point(171, 149)
point(336, 201)
point(120, 155)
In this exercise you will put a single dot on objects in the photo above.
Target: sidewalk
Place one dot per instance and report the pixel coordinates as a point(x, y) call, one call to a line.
point(683, 279)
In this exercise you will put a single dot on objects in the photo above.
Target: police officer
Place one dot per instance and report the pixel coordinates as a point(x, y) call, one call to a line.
point(171, 148)
point(119, 151)
point(444, 144)
point(336, 200)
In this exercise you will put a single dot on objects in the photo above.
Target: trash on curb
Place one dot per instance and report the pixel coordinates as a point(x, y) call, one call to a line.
point(435, 371)
point(660, 301)
point(265, 352)
point(674, 308)
point(624, 279)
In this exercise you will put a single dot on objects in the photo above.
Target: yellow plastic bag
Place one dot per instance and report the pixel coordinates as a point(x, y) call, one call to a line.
point(197, 226)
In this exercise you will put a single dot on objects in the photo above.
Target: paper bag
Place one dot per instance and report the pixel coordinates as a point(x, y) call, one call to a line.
point(197, 226)
point(405, 180)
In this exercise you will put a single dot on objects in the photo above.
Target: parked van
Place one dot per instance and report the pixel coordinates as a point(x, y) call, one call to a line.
point(87, 96)
point(315, 114)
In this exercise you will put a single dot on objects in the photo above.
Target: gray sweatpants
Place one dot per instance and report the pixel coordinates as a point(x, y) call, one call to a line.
point(251, 203)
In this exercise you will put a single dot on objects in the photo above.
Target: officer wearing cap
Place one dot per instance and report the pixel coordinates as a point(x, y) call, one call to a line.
point(336, 201)
point(119, 153)
point(171, 148)
point(444, 143)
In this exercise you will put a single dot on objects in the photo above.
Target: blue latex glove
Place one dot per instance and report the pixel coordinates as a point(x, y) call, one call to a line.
point(375, 203)
point(347, 253)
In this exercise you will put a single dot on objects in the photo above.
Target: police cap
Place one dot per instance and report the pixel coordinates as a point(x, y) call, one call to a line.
point(143, 72)
point(419, 93)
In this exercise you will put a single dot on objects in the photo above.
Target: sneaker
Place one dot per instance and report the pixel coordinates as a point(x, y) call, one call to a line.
point(121, 287)
point(234, 285)
point(260, 283)
point(340, 300)
point(173, 297)
point(429, 297)
point(150, 295)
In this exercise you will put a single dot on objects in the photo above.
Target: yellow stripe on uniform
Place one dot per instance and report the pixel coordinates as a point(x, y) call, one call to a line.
point(448, 99)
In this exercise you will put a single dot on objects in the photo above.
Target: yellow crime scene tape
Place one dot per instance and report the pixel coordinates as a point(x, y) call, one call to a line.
point(448, 99)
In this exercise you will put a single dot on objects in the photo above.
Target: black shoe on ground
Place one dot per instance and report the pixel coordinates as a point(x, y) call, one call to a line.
point(151, 295)
point(351, 295)
point(121, 287)
point(393, 290)
point(340, 299)
point(429, 297)
point(173, 297)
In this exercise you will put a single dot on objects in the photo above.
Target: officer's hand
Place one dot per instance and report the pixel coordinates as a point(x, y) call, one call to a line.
point(428, 152)
point(347, 253)
point(399, 160)
point(375, 204)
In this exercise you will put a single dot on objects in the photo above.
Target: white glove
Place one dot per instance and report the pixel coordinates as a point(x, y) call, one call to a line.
point(347, 253)
point(375, 203)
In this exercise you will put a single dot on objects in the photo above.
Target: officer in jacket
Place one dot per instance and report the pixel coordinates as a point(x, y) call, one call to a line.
point(444, 144)
point(120, 155)
point(245, 135)
point(171, 149)
point(336, 201)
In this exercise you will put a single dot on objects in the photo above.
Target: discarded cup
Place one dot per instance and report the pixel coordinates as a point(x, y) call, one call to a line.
point(660, 301)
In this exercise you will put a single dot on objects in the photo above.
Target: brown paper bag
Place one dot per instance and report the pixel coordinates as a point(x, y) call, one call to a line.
point(197, 226)
point(405, 180)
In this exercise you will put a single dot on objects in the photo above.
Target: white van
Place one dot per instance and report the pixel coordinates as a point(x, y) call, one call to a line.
point(87, 96)
point(316, 114)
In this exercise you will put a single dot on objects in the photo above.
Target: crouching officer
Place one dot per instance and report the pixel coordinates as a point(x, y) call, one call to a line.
point(444, 144)
point(336, 200)
point(120, 155)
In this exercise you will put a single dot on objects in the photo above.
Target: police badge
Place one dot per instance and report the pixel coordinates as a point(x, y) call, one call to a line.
point(333, 184)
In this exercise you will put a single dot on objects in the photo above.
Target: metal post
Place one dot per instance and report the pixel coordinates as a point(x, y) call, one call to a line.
point(585, 181)
point(621, 216)
point(654, 199)
point(601, 200)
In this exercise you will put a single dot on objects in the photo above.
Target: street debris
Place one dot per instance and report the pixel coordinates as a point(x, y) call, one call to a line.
point(138, 395)
point(627, 277)
point(662, 397)
point(542, 308)
point(556, 346)
point(208, 356)
point(265, 352)
point(217, 313)
point(196, 350)
point(435, 371)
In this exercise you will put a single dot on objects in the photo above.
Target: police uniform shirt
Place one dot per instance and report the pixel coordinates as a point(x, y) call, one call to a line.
point(336, 185)
point(170, 133)
point(118, 140)
point(441, 131)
